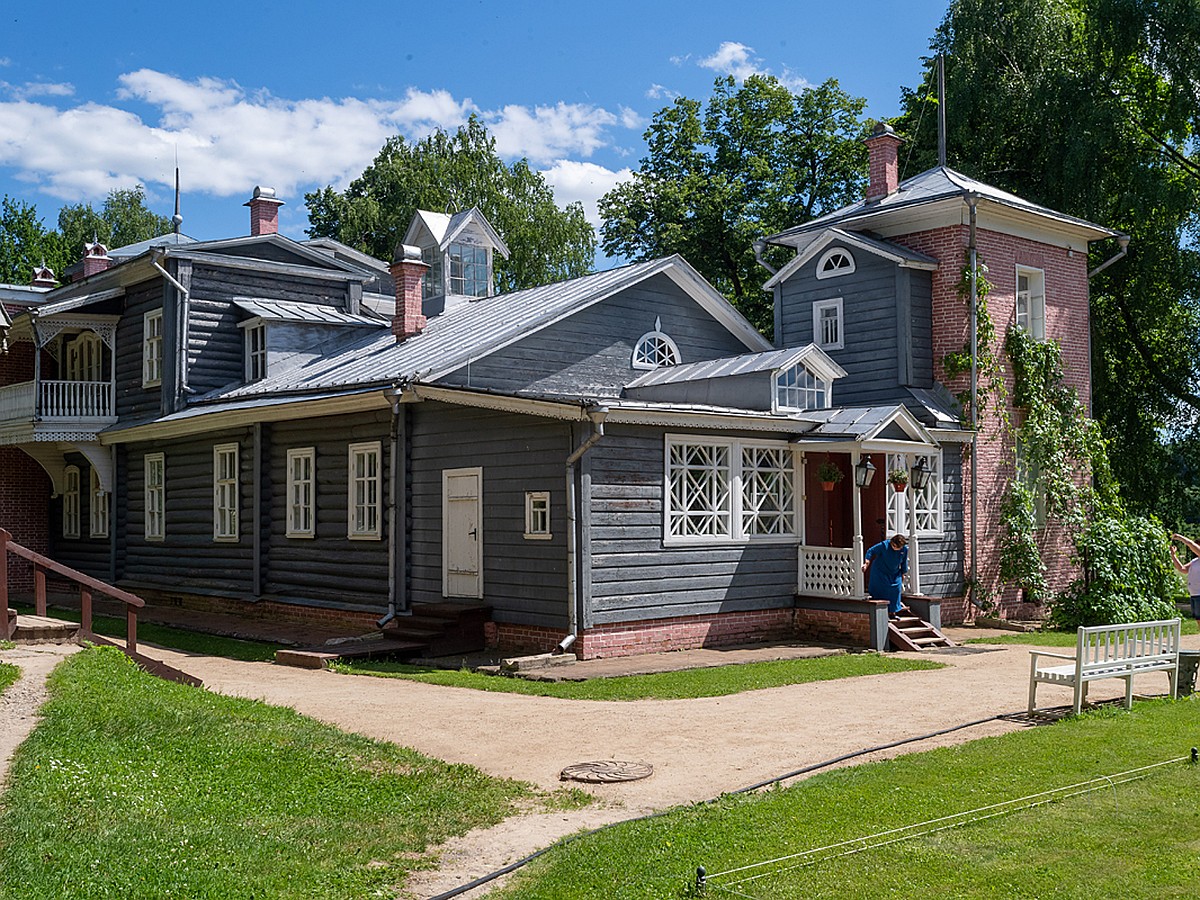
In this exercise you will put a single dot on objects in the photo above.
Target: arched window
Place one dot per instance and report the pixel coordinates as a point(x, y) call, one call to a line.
point(835, 262)
point(797, 388)
point(655, 349)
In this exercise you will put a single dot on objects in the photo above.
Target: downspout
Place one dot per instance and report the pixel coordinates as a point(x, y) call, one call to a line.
point(597, 416)
point(181, 368)
point(395, 570)
point(972, 202)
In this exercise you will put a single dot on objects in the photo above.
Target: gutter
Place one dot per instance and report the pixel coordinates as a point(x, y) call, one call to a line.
point(1123, 240)
point(597, 416)
point(185, 296)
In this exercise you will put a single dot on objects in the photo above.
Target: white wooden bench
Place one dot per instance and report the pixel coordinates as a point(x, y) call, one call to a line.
point(1111, 651)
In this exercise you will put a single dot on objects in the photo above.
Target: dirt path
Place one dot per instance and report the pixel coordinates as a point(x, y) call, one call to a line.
point(19, 704)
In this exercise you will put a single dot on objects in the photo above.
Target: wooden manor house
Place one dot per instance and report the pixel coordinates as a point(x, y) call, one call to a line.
point(618, 463)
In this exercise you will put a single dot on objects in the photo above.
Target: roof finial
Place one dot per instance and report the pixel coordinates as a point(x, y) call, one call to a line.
point(177, 219)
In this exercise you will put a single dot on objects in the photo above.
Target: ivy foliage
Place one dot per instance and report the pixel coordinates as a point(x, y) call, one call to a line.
point(989, 367)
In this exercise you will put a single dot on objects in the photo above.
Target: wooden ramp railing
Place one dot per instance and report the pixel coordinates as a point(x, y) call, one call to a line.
point(88, 587)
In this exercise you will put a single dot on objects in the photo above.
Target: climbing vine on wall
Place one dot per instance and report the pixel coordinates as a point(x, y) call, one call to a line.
point(992, 391)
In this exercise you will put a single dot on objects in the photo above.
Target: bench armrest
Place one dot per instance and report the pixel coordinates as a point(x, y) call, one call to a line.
point(1037, 653)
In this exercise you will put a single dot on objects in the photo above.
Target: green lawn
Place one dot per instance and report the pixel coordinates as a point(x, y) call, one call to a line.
point(133, 787)
point(717, 681)
point(1133, 841)
point(8, 675)
point(1056, 638)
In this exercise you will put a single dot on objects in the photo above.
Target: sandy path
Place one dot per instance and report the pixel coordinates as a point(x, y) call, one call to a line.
point(19, 704)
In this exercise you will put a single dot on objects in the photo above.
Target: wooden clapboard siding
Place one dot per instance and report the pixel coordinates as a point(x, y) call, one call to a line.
point(218, 283)
point(634, 575)
point(329, 568)
point(591, 352)
point(216, 354)
point(86, 553)
point(133, 400)
point(188, 558)
point(523, 580)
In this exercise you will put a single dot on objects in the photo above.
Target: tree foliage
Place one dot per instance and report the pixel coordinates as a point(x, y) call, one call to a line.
point(757, 159)
point(1091, 107)
point(451, 173)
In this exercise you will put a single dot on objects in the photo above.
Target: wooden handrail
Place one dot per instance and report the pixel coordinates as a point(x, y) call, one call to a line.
point(67, 572)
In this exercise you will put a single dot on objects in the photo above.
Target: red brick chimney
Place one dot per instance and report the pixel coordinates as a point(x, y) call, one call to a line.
point(43, 277)
point(407, 271)
point(95, 258)
point(264, 211)
point(883, 155)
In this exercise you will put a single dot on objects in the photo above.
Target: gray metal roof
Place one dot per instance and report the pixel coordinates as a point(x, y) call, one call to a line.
point(292, 311)
point(469, 331)
point(938, 183)
point(129, 251)
point(726, 367)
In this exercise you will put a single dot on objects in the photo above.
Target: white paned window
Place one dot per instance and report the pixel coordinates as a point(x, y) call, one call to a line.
point(225, 492)
point(729, 490)
point(85, 357)
point(1031, 301)
point(70, 522)
point(98, 508)
point(469, 270)
point(256, 352)
point(431, 284)
point(154, 468)
point(365, 522)
point(835, 262)
point(301, 471)
point(655, 349)
point(827, 324)
point(927, 503)
point(537, 515)
point(152, 348)
point(797, 388)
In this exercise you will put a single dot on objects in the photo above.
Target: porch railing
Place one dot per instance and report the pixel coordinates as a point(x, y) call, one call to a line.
point(76, 399)
point(16, 401)
point(828, 571)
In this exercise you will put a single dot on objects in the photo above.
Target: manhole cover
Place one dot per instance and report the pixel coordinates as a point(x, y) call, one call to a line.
point(606, 771)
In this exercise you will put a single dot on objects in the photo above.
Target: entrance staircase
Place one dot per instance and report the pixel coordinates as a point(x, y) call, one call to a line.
point(908, 631)
point(433, 629)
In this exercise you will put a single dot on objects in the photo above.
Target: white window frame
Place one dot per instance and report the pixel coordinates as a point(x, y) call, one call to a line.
point(785, 392)
point(85, 358)
point(655, 349)
point(152, 348)
point(737, 501)
point(1030, 304)
point(537, 516)
point(928, 503)
point(70, 505)
point(458, 266)
point(226, 486)
point(154, 514)
point(364, 507)
point(819, 306)
point(301, 492)
point(823, 261)
point(255, 343)
point(98, 508)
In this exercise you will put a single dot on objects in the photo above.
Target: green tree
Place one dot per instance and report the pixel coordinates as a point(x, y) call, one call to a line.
point(757, 159)
point(123, 220)
point(24, 242)
point(454, 172)
point(1092, 107)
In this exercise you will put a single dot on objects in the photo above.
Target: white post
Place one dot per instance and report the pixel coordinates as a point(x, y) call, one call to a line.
point(910, 500)
point(859, 590)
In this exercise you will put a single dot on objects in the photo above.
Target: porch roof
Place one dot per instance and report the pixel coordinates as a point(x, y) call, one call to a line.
point(312, 313)
point(878, 428)
point(746, 363)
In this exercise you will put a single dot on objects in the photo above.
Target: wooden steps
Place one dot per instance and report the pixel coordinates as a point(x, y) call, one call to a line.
point(34, 629)
point(910, 632)
point(434, 629)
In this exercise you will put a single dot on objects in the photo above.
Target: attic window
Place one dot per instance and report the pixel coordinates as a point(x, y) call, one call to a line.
point(655, 349)
point(469, 275)
point(797, 389)
point(431, 284)
point(835, 262)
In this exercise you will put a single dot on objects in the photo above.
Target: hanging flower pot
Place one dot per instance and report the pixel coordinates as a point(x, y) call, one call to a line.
point(898, 478)
point(829, 475)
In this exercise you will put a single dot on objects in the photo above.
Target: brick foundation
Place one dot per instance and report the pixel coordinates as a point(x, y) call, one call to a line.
point(834, 627)
point(274, 611)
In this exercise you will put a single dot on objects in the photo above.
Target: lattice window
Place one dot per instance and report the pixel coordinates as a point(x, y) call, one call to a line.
point(768, 491)
point(797, 388)
point(225, 492)
point(654, 349)
point(927, 503)
point(700, 500)
point(301, 466)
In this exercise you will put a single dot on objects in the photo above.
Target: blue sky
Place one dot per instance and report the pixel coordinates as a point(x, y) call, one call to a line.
point(299, 95)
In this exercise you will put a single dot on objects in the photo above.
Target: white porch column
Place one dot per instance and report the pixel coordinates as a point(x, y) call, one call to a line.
point(910, 500)
point(859, 589)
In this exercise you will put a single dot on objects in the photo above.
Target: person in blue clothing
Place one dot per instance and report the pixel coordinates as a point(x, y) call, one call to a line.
point(885, 566)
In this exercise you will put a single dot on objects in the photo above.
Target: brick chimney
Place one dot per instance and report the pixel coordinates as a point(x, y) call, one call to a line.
point(407, 271)
point(264, 211)
point(43, 276)
point(883, 155)
point(95, 258)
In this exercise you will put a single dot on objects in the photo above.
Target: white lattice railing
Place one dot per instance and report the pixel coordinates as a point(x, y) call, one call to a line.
point(16, 402)
point(76, 399)
point(827, 571)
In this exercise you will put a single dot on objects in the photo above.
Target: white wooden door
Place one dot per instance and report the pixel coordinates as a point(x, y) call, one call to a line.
point(462, 532)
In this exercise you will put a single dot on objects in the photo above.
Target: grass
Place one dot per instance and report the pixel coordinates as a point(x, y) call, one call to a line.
point(1057, 638)
point(8, 675)
point(175, 638)
point(718, 681)
point(1136, 841)
point(132, 787)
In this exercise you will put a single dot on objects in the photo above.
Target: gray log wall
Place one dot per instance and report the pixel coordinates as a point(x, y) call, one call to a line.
point(133, 400)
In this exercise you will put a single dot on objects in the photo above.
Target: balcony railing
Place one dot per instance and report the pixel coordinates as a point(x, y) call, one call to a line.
point(828, 572)
point(59, 400)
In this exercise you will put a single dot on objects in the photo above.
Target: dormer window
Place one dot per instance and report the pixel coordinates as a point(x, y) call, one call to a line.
point(835, 262)
point(469, 275)
point(460, 250)
point(655, 349)
point(797, 388)
point(431, 284)
point(256, 352)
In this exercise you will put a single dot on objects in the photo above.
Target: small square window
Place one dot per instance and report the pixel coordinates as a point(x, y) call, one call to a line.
point(537, 515)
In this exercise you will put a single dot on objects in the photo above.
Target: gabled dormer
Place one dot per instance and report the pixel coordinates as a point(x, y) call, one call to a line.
point(460, 251)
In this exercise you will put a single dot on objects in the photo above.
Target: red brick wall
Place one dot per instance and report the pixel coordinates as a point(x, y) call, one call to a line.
point(1067, 321)
point(24, 510)
point(834, 627)
point(16, 365)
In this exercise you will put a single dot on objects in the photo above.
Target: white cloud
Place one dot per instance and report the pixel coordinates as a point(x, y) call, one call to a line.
point(229, 139)
point(658, 92)
point(585, 182)
point(37, 89)
point(738, 60)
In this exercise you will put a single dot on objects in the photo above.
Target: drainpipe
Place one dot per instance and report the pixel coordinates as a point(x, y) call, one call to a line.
point(760, 247)
point(972, 202)
point(597, 416)
point(181, 368)
point(395, 570)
